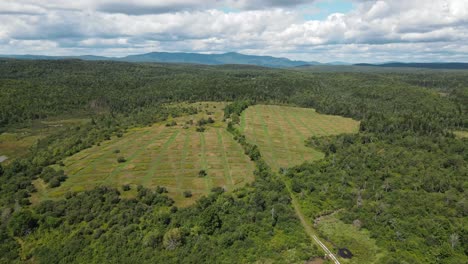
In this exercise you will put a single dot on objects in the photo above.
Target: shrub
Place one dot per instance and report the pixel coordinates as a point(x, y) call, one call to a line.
point(172, 123)
point(117, 151)
point(54, 183)
point(161, 189)
point(121, 159)
point(218, 190)
point(202, 173)
point(22, 223)
point(187, 194)
point(296, 186)
point(172, 239)
point(126, 187)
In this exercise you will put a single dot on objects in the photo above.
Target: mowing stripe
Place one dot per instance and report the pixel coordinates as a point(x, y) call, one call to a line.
point(252, 130)
point(301, 136)
point(204, 163)
point(134, 155)
point(106, 145)
point(294, 113)
point(285, 141)
point(227, 170)
point(184, 156)
point(92, 165)
point(267, 135)
point(315, 153)
point(155, 161)
point(250, 165)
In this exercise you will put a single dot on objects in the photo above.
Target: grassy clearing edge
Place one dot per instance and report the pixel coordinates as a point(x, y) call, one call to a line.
point(259, 162)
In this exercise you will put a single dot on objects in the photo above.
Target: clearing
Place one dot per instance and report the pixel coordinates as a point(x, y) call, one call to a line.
point(280, 132)
point(160, 155)
point(357, 240)
point(16, 141)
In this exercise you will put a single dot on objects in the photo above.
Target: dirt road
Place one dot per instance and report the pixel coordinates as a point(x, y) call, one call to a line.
point(308, 228)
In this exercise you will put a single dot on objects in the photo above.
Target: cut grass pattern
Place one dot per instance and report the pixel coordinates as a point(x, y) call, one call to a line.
point(280, 132)
point(166, 156)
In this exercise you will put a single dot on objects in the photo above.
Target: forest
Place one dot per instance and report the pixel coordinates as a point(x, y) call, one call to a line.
point(403, 178)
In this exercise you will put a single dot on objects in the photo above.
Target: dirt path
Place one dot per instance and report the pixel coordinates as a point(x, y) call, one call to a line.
point(308, 227)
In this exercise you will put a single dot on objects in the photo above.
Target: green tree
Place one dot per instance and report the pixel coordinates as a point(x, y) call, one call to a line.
point(22, 223)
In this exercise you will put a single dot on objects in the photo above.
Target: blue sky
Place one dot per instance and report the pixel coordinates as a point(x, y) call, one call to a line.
point(320, 10)
point(312, 30)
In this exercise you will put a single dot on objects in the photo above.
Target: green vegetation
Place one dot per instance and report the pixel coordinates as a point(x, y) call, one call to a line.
point(280, 132)
point(17, 141)
point(161, 155)
point(395, 192)
point(352, 237)
point(461, 134)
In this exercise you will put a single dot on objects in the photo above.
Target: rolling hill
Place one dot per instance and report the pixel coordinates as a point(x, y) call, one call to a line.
point(180, 57)
point(428, 65)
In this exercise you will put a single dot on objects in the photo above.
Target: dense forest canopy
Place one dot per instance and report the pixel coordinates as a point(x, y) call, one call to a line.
point(404, 176)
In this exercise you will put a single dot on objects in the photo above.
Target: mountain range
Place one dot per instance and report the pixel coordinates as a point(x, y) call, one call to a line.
point(234, 58)
point(194, 58)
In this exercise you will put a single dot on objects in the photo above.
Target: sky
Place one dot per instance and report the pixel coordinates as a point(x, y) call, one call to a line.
point(312, 30)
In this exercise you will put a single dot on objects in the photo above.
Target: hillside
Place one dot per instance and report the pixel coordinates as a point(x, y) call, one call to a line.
point(431, 65)
point(192, 58)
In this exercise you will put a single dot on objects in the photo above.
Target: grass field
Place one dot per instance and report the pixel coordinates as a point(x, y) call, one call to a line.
point(16, 142)
point(161, 156)
point(280, 132)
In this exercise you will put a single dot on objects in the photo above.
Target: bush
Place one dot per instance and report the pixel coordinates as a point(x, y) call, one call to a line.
point(218, 190)
point(121, 160)
point(117, 151)
point(126, 187)
point(22, 223)
point(200, 129)
point(187, 194)
point(296, 186)
point(54, 183)
point(202, 173)
point(172, 123)
point(161, 189)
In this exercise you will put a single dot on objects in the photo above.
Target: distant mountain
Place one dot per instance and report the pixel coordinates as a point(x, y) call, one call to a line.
point(195, 58)
point(338, 63)
point(431, 65)
point(44, 57)
point(214, 59)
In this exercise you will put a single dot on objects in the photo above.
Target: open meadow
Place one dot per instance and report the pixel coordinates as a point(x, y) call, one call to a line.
point(170, 154)
point(280, 132)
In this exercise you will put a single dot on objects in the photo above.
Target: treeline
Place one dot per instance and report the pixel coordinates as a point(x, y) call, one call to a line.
point(40, 89)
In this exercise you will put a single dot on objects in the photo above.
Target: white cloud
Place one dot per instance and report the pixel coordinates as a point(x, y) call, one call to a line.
point(374, 30)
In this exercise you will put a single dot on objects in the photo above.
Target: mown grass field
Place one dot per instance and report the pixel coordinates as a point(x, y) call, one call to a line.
point(161, 156)
point(280, 132)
